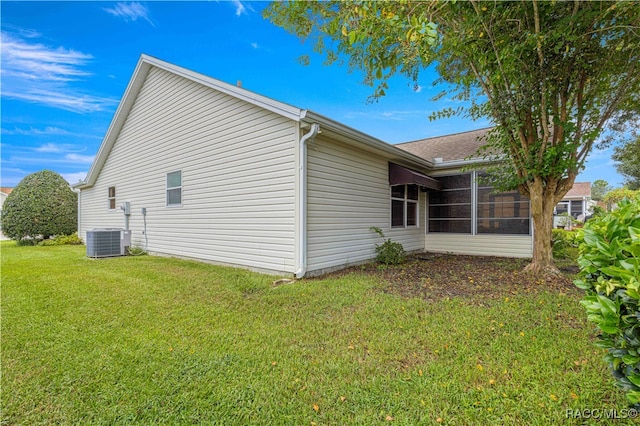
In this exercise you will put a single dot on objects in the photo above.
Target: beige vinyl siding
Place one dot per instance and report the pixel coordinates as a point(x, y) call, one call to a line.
point(482, 245)
point(238, 176)
point(348, 192)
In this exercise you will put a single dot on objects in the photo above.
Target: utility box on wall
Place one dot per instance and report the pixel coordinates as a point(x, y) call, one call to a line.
point(108, 242)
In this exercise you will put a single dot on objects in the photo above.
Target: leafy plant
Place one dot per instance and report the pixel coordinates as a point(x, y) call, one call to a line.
point(40, 206)
point(136, 251)
point(597, 211)
point(561, 241)
point(389, 252)
point(610, 274)
point(62, 240)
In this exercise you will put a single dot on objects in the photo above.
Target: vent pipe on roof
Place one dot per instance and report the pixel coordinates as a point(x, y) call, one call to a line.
point(302, 197)
point(239, 83)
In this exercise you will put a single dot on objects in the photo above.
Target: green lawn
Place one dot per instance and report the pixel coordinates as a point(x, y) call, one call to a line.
point(158, 340)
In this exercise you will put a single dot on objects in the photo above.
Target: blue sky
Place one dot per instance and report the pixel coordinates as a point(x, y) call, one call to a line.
point(65, 66)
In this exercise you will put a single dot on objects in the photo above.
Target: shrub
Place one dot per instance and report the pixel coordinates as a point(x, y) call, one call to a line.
point(597, 211)
point(389, 252)
point(61, 240)
point(561, 242)
point(610, 274)
point(41, 205)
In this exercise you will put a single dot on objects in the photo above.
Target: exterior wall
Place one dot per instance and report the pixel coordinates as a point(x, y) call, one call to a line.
point(238, 177)
point(480, 245)
point(348, 192)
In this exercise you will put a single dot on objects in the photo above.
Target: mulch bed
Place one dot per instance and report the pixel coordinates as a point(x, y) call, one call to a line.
point(437, 276)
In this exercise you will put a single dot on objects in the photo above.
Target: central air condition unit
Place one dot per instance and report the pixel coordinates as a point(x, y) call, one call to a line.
point(108, 242)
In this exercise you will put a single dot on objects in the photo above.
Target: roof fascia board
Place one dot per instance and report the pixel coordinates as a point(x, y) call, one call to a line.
point(467, 162)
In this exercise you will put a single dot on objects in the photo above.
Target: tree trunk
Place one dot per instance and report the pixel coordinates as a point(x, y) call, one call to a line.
point(542, 205)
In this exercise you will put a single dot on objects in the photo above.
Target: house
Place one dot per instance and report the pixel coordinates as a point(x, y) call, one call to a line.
point(217, 173)
point(577, 200)
point(577, 203)
point(4, 193)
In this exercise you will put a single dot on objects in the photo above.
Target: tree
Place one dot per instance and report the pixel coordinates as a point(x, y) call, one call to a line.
point(552, 76)
point(599, 189)
point(43, 204)
point(614, 196)
point(628, 158)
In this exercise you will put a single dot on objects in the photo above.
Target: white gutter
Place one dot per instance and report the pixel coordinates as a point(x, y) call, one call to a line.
point(302, 197)
point(466, 162)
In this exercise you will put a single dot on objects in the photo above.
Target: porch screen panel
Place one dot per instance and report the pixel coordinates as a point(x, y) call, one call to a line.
point(501, 213)
point(450, 208)
point(576, 208)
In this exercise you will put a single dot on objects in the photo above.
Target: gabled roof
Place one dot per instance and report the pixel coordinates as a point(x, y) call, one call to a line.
point(458, 146)
point(145, 63)
point(579, 190)
point(6, 190)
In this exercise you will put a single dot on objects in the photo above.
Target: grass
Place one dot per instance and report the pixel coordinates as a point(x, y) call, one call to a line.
point(138, 340)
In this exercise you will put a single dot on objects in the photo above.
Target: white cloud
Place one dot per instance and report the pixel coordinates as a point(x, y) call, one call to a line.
point(130, 11)
point(49, 147)
point(39, 62)
point(49, 130)
point(34, 72)
point(240, 8)
point(254, 45)
point(73, 178)
point(59, 148)
point(52, 96)
point(79, 158)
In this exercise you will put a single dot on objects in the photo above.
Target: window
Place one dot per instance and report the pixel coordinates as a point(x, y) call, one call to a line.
point(111, 198)
point(404, 205)
point(174, 188)
point(501, 213)
point(450, 208)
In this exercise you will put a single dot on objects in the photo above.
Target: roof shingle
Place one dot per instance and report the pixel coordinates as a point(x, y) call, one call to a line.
point(449, 147)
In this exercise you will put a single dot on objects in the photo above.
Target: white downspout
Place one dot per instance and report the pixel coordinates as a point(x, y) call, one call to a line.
point(302, 198)
point(79, 218)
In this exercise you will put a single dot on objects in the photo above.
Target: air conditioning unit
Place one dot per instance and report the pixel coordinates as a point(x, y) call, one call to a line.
point(108, 242)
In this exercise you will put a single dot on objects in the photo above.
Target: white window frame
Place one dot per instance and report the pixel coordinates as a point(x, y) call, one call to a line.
point(168, 188)
point(405, 200)
point(111, 198)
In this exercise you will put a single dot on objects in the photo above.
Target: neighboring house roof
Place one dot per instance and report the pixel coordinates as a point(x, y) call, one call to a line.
point(579, 190)
point(328, 126)
point(6, 190)
point(458, 146)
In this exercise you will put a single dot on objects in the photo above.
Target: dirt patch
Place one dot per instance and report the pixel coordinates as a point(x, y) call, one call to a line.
point(437, 276)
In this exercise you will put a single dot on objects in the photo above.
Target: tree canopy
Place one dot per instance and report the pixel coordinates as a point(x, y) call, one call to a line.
point(599, 189)
point(42, 204)
point(628, 162)
point(552, 76)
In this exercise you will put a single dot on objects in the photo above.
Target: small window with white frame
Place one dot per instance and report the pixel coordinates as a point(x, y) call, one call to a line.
point(404, 206)
point(174, 188)
point(111, 198)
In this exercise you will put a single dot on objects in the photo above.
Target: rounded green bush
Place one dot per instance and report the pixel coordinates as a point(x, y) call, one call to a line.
point(610, 274)
point(43, 204)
